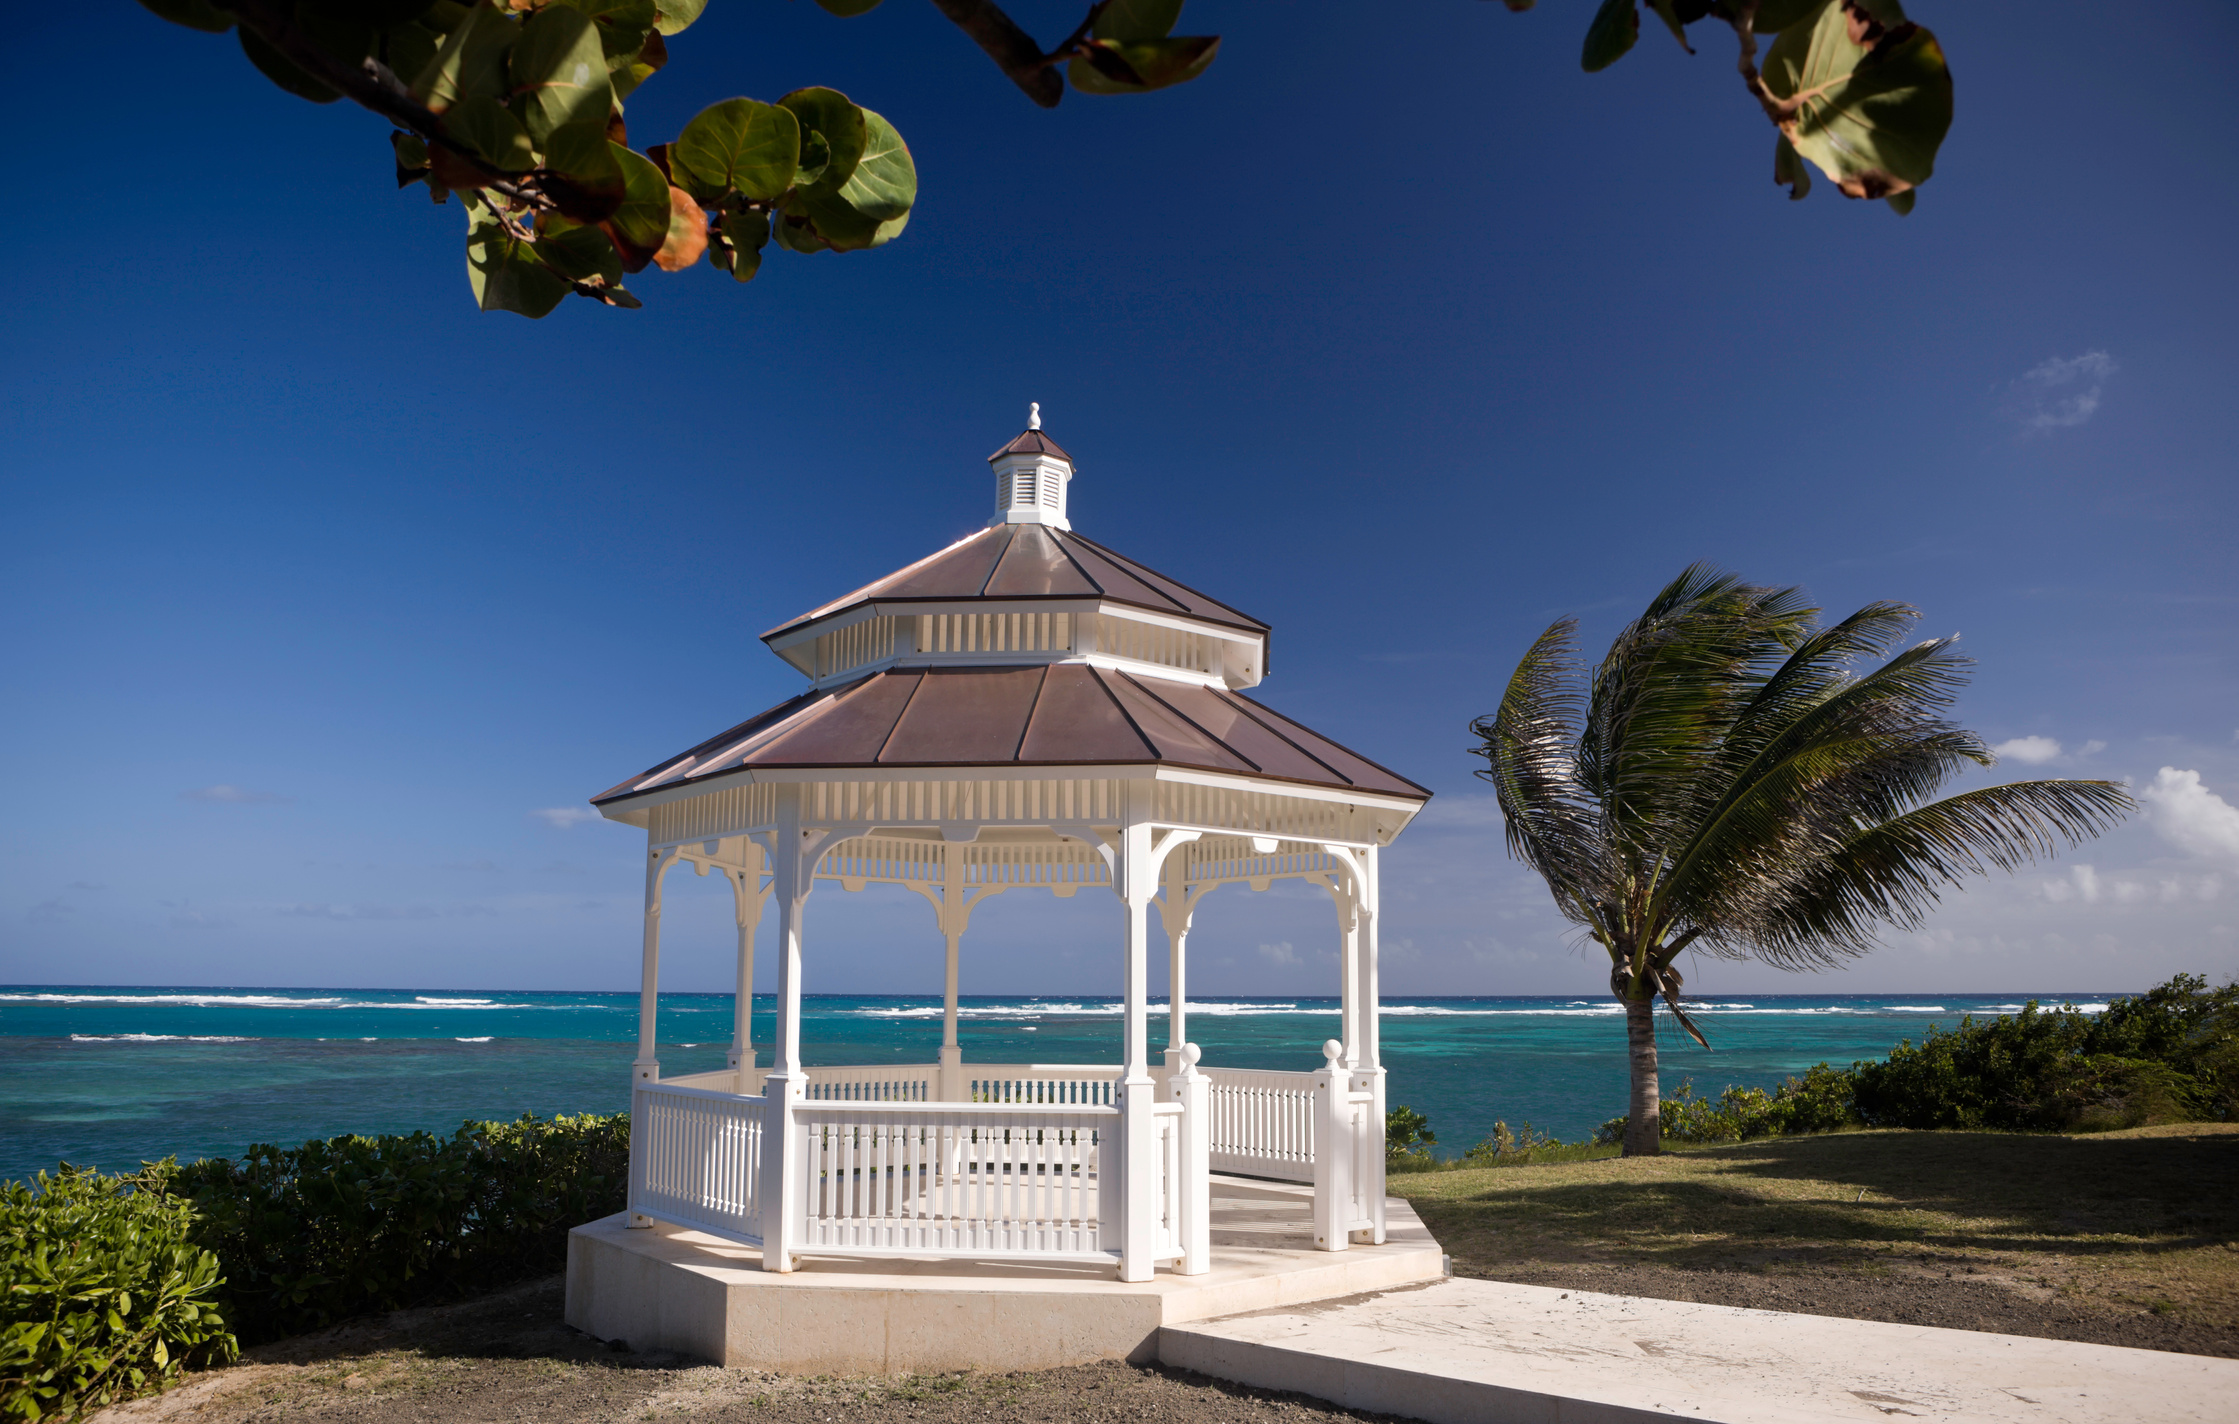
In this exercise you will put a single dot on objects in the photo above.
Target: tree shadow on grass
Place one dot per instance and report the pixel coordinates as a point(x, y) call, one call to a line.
point(2023, 1195)
point(2167, 1192)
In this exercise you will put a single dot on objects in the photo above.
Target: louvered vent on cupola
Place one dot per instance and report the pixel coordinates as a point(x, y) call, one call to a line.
point(1031, 474)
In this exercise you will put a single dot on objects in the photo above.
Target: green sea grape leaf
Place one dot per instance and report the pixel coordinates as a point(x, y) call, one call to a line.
point(797, 234)
point(1870, 109)
point(1137, 67)
point(558, 72)
point(1131, 20)
point(736, 241)
point(829, 113)
point(884, 184)
point(1670, 17)
point(640, 225)
point(1790, 169)
point(629, 74)
point(407, 49)
point(194, 14)
point(737, 145)
point(677, 15)
point(411, 157)
point(1615, 29)
point(505, 274)
point(472, 61)
point(622, 25)
point(581, 174)
point(575, 251)
point(1901, 203)
point(489, 128)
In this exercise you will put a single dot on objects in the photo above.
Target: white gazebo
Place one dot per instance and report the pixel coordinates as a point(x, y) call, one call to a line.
point(1023, 710)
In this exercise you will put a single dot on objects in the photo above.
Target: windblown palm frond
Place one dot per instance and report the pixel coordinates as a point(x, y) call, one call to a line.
point(1530, 746)
point(1726, 777)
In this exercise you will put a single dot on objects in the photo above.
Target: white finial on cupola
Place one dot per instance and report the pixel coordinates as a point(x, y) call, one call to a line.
point(1031, 474)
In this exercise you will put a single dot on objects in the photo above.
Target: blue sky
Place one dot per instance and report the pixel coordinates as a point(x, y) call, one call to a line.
point(1396, 330)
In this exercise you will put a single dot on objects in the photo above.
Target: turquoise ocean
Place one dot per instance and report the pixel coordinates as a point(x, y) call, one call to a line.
point(111, 1076)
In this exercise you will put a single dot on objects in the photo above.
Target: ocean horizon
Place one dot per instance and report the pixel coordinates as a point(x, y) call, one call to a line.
point(109, 1075)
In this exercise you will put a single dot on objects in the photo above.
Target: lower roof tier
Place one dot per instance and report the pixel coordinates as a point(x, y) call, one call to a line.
point(1064, 714)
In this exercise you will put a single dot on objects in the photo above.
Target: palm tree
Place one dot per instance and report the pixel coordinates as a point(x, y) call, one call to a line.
point(1725, 781)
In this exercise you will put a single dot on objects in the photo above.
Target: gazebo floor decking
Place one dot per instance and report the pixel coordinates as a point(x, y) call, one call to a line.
point(671, 1288)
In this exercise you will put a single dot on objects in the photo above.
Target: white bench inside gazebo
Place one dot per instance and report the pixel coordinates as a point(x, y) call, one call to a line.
point(1025, 710)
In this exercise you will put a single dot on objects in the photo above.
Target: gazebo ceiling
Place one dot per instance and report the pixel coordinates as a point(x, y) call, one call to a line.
point(1028, 562)
point(1060, 714)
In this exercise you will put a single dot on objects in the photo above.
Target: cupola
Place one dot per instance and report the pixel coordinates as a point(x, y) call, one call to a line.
point(1030, 477)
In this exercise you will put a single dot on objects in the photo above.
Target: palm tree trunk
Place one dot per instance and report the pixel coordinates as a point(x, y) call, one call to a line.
point(1643, 1122)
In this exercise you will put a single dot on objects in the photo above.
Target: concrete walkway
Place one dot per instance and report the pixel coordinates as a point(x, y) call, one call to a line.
point(1477, 1352)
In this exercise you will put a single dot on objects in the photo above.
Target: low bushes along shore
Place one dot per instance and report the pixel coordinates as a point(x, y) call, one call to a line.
point(116, 1283)
point(2168, 1055)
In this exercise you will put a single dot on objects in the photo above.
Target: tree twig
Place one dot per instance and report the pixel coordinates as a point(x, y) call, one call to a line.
point(1745, 18)
point(1013, 49)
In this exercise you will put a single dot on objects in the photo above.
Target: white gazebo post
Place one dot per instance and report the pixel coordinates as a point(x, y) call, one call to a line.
point(646, 1068)
point(1369, 1071)
point(749, 893)
point(1138, 1203)
point(792, 861)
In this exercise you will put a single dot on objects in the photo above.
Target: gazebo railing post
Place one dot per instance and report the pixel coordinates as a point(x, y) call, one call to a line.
point(1333, 1151)
point(1194, 1091)
point(792, 861)
point(646, 1068)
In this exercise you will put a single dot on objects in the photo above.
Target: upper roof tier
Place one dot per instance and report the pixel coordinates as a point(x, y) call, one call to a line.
point(1028, 563)
point(1027, 590)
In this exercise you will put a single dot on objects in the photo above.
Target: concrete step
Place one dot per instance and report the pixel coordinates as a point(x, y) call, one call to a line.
point(1480, 1352)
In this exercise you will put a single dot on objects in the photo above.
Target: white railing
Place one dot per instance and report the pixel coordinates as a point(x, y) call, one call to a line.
point(1262, 1123)
point(867, 1083)
point(954, 1179)
point(1054, 1084)
point(696, 1159)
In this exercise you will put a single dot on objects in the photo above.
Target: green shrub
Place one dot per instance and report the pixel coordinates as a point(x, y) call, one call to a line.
point(345, 1225)
point(1407, 1141)
point(106, 1294)
point(1504, 1145)
point(2168, 1055)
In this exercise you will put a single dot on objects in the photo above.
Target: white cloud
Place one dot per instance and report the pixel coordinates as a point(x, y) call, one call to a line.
point(233, 796)
point(2033, 750)
point(561, 818)
point(2191, 817)
point(1281, 953)
point(2061, 392)
point(2091, 748)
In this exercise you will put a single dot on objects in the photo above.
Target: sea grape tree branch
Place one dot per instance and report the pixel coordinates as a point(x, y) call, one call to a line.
point(372, 87)
point(1014, 51)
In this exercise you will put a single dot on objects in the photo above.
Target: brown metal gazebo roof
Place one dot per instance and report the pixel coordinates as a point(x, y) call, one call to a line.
point(1064, 714)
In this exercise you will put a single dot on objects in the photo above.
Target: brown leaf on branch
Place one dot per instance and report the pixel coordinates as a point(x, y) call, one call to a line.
point(687, 233)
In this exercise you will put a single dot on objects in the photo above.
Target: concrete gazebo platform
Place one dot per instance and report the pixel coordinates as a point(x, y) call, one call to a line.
point(673, 1288)
point(1023, 710)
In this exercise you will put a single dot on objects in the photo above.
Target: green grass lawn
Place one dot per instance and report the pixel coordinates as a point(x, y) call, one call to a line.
point(2145, 1219)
